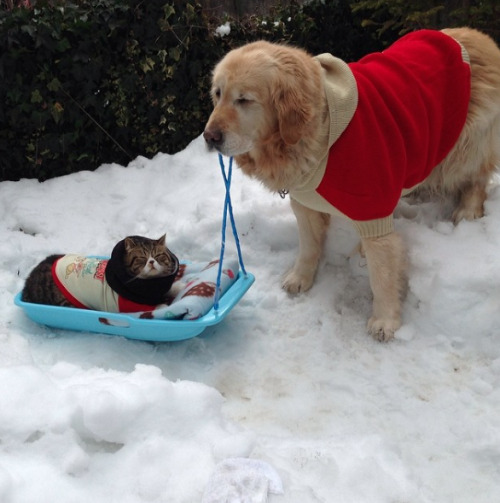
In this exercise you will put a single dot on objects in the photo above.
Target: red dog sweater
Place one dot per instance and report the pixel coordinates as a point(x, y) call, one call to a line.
point(412, 102)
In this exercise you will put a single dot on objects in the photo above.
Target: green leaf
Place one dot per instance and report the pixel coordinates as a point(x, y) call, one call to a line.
point(168, 10)
point(54, 85)
point(147, 65)
point(175, 53)
point(57, 112)
point(63, 45)
point(36, 96)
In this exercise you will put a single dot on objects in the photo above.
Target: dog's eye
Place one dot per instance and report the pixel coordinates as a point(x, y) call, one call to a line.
point(216, 93)
point(243, 101)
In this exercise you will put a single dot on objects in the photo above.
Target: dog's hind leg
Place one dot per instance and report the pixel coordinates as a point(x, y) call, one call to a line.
point(386, 260)
point(482, 164)
point(312, 226)
point(468, 168)
point(471, 203)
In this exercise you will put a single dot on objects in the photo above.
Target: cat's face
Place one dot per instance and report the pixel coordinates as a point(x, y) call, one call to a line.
point(149, 258)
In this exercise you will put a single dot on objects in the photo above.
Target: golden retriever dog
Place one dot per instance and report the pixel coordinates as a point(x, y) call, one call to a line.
point(350, 139)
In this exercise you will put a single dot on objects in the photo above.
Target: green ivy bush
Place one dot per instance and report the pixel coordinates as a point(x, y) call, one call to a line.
point(99, 81)
point(86, 82)
point(388, 20)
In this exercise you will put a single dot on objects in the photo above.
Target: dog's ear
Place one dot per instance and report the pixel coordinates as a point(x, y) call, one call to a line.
point(293, 95)
point(293, 115)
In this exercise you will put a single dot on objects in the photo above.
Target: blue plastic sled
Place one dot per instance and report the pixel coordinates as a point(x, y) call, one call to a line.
point(155, 330)
point(86, 320)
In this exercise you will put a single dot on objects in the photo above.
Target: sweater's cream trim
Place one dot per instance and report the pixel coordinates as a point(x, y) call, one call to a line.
point(465, 54)
point(374, 228)
point(366, 228)
point(341, 94)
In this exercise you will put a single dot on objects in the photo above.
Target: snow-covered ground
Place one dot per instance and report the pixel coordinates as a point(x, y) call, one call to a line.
point(292, 381)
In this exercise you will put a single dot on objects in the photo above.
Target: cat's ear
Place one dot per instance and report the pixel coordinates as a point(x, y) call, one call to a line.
point(161, 241)
point(129, 243)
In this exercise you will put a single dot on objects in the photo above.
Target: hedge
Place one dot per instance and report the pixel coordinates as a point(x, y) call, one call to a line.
point(88, 82)
point(101, 82)
point(83, 84)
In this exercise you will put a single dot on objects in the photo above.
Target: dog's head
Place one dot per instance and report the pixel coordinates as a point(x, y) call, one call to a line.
point(261, 91)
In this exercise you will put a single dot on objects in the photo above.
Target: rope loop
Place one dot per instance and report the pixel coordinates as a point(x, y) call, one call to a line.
point(228, 210)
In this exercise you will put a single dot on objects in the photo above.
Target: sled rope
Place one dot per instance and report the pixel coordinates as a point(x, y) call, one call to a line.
point(228, 210)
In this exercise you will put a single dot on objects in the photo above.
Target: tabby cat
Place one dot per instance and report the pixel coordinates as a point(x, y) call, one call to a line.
point(139, 275)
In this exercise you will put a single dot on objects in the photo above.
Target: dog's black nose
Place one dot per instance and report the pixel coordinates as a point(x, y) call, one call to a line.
point(213, 137)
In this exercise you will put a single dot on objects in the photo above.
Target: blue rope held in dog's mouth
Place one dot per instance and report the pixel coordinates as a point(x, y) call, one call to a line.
point(228, 209)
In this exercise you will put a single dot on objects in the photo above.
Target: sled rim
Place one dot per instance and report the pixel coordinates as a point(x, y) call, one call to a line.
point(122, 324)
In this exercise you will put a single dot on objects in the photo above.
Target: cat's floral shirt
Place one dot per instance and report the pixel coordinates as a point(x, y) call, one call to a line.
point(82, 281)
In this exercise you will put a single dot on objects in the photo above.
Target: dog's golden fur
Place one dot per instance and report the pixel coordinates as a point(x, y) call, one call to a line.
point(269, 106)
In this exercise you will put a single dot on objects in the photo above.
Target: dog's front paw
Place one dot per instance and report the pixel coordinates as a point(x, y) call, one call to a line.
point(294, 282)
point(383, 329)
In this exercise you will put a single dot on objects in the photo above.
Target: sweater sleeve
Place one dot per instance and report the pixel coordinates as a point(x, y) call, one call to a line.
point(374, 228)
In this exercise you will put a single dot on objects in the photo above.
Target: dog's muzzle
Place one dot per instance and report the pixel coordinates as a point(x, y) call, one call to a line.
point(214, 138)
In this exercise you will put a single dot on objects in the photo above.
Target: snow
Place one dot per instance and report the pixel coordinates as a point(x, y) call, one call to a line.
point(223, 30)
point(293, 381)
